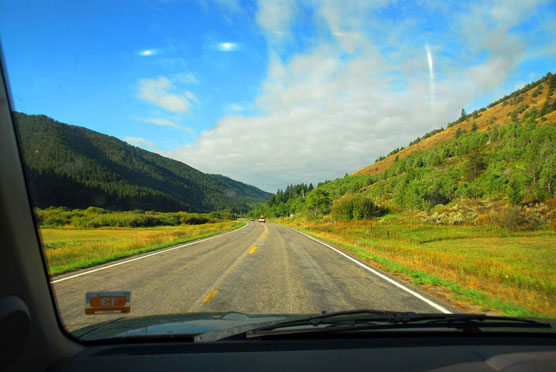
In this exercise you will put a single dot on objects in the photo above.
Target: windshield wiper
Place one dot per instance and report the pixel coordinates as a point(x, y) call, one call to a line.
point(356, 320)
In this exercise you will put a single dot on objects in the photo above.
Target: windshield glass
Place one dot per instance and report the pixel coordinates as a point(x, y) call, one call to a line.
point(200, 165)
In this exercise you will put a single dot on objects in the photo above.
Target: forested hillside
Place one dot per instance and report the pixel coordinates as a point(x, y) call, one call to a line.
point(76, 167)
point(505, 152)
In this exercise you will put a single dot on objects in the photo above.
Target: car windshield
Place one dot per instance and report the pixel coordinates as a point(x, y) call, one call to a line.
point(200, 165)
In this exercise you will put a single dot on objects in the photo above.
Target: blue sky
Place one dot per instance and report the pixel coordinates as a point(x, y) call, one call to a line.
point(271, 92)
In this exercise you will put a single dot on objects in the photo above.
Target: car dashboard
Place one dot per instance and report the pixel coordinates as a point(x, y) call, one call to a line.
point(383, 353)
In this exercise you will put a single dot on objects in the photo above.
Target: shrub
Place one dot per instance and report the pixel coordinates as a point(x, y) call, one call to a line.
point(96, 210)
point(513, 218)
point(171, 221)
point(55, 219)
point(222, 215)
point(94, 217)
point(482, 219)
point(509, 218)
point(356, 207)
point(193, 219)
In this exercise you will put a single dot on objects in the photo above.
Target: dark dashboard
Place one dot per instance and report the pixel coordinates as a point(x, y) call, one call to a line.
point(416, 352)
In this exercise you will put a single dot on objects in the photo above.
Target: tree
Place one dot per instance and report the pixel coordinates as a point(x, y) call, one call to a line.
point(474, 127)
point(318, 202)
point(548, 174)
point(356, 207)
point(463, 115)
point(514, 192)
point(494, 134)
point(532, 169)
point(435, 160)
point(476, 164)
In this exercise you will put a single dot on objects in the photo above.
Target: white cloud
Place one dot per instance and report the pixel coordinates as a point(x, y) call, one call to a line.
point(159, 92)
point(190, 96)
point(275, 17)
point(235, 108)
point(163, 122)
point(322, 113)
point(231, 5)
point(141, 142)
point(346, 21)
point(185, 78)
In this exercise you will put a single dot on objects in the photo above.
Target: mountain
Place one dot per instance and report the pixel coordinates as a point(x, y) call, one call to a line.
point(504, 152)
point(68, 165)
point(534, 99)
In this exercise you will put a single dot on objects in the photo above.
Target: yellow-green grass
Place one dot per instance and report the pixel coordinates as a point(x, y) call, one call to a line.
point(513, 273)
point(71, 249)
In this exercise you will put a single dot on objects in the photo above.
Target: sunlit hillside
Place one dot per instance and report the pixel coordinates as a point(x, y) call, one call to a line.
point(520, 104)
point(504, 152)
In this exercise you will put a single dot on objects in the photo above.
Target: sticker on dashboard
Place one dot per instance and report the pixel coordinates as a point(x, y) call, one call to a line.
point(107, 302)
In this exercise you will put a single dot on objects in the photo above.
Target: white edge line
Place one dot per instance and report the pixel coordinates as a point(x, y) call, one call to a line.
point(145, 256)
point(382, 276)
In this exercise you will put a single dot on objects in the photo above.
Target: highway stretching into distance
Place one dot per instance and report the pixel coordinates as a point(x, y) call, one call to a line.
point(258, 269)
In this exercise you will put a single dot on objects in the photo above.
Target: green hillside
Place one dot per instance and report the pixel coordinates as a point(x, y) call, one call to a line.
point(504, 152)
point(76, 167)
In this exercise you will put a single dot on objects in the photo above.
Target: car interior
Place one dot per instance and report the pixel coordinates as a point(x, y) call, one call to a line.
point(33, 336)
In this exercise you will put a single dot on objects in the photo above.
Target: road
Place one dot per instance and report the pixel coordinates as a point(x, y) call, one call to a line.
point(258, 269)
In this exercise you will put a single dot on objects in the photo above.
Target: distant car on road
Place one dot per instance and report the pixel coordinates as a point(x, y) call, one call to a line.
point(261, 219)
point(252, 219)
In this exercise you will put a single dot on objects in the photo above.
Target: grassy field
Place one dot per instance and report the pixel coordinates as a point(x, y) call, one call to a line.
point(70, 249)
point(479, 268)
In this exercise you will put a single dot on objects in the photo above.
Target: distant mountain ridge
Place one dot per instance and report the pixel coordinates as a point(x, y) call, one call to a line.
point(72, 166)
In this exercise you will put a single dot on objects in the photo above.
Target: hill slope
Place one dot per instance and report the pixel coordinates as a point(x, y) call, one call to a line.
point(535, 98)
point(76, 167)
point(506, 150)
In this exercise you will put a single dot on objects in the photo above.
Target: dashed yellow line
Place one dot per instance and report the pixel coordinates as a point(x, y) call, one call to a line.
point(264, 236)
point(252, 250)
point(210, 296)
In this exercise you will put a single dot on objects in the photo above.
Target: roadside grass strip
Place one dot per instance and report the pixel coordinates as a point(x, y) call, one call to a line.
point(68, 250)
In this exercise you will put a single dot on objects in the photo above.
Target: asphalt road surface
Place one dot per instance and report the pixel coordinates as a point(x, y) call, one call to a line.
point(258, 269)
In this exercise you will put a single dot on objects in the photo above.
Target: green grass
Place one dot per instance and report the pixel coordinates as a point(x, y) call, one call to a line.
point(72, 249)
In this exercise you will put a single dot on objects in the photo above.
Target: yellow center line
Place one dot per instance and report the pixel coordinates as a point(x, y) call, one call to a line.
point(252, 250)
point(264, 236)
point(210, 296)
